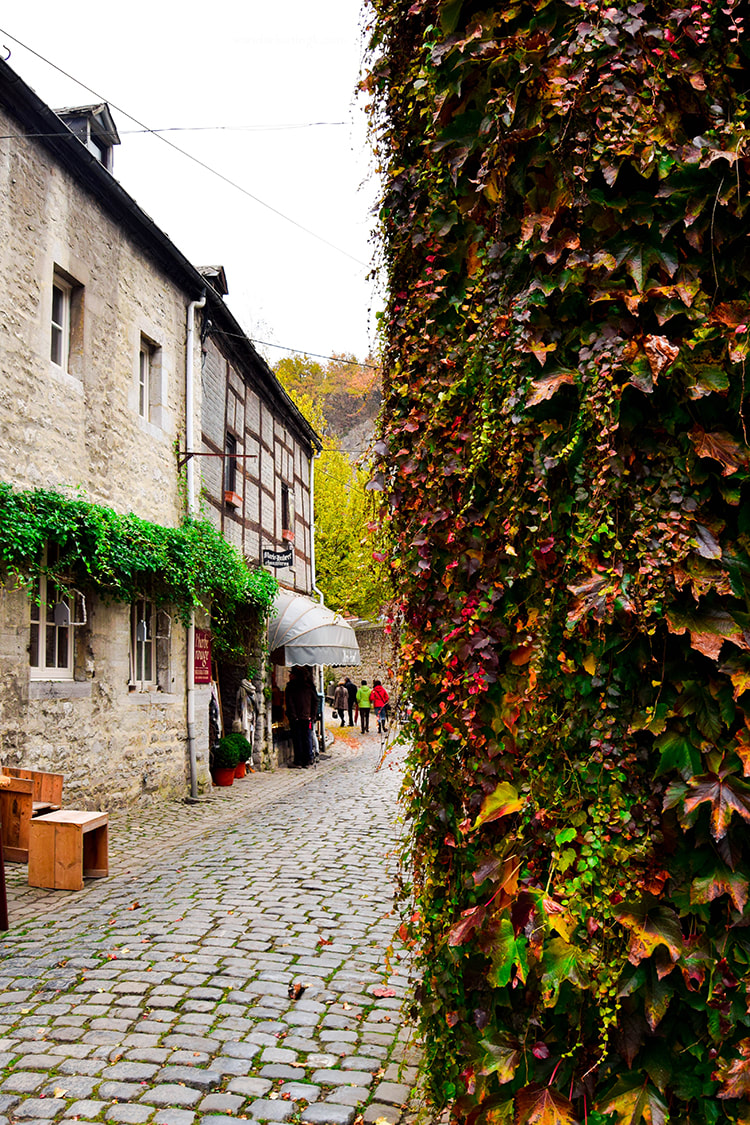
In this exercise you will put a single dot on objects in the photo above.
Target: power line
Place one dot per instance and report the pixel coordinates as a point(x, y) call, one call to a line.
point(190, 129)
point(312, 355)
point(183, 152)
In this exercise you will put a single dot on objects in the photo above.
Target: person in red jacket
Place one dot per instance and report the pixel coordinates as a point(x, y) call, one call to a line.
point(379, 702)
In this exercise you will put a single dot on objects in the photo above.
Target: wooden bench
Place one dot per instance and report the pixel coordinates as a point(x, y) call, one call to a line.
point(66, 845)
point(47, 791)
point(16, 801)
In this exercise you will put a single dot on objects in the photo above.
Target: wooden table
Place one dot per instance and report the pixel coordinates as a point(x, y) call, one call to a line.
point(65, 846)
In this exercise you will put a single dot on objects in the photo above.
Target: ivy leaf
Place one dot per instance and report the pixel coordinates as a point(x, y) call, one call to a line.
point(560, 962)
point(544, 387)
point(501, 1058)
point(509, 957)
point(540, 1105)
point(719, 446)
point(635, 1103)
point(449, 15)
point(721, 881)
point(651, 926)
point(725, 794)
point(677, 753)
point(501, 802)
point(734, 1076)
point(465, 927)
point(708, 629)
point(658, 994)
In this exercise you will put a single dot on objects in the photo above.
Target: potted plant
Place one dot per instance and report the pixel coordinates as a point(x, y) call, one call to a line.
point(244, 749)
point(226, 755)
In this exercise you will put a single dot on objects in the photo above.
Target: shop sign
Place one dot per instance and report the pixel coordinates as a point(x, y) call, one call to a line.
point(278, 559)
point(202, 650)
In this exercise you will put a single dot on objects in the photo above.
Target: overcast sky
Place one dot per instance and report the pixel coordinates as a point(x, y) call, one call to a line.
point(252, 68)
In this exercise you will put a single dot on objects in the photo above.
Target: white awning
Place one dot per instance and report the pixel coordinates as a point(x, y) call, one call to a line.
point(310, 633)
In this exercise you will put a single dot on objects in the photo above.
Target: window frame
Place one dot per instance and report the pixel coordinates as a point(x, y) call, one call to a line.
point(46, 627)
point(147, 646)
point(230, 463)
point(60, 328)
point(144, 379)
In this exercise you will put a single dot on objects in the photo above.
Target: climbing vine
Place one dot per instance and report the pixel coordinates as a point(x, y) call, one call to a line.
point(125, 557)
point(566, 470)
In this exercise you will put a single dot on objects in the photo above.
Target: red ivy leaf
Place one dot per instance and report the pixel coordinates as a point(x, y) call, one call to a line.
point(725, 794)
point(735, 1075)
point(540, 1105)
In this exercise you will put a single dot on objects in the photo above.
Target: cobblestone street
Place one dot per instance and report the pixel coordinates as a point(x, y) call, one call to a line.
point(233, 964)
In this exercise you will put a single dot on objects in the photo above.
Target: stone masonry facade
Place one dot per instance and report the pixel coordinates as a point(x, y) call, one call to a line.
point(78, 426)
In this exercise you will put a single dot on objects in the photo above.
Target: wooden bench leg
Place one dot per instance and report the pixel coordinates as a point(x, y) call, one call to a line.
point(3, 894)
point(96, 853)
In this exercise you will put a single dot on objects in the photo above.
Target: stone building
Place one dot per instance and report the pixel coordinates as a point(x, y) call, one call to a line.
point(104, 325)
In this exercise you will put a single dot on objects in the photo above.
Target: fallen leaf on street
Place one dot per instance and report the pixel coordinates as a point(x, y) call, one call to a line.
point(59, 1092)
point(295, 990)
point(380, 991)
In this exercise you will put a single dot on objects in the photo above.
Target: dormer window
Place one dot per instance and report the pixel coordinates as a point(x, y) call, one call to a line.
point(95, 128)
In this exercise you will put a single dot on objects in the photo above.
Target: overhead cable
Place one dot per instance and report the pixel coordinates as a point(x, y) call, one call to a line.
point(183, 152)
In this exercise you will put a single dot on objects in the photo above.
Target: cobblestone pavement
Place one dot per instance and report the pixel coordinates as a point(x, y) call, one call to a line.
point(233, 965)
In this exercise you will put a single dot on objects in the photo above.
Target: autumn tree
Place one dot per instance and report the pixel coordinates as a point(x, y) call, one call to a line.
point(348, 558)
point(565, 237)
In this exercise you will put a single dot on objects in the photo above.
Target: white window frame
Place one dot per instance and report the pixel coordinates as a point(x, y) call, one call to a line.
point(45, 634)
point(146, 354)
point(142, 648)
point(60, 326)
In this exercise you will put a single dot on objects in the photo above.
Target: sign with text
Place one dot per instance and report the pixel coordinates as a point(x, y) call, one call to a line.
point(278, 558)
point(202, 668)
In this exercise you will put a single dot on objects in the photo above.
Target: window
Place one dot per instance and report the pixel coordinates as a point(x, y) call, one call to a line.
point(51, 627)
point(150, 633)
point(230, 464)
point(66, 323)
point(145, 377)
point(60, 326)
point(285, 526)
point(142, 665)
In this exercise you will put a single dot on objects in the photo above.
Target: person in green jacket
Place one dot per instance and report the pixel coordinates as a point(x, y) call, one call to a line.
point(363, 703)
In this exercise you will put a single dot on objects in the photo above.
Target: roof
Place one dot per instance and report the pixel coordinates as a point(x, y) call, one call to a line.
point(101, 116)
point(52, 134)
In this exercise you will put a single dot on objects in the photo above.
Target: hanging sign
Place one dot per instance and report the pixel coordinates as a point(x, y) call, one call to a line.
point(202, 665)
point(278, 558)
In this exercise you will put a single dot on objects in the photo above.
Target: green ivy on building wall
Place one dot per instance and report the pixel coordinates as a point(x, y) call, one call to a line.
point(124, 557)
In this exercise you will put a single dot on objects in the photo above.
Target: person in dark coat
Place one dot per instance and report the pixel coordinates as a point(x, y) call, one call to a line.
point(352, 690)
point(301, 701)
point(341, 701)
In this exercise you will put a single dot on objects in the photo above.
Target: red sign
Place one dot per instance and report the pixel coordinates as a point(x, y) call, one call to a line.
point(202, 669)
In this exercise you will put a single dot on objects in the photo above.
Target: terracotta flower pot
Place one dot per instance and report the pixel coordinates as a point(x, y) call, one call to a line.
point(240, 769)
point(223, 775)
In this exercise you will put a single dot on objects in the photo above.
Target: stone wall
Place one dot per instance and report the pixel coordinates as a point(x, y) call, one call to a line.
point(378, 652)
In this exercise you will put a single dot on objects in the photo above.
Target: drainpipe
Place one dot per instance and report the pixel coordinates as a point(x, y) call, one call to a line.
point(313, 583)
point(316, 588)
point(192, 511)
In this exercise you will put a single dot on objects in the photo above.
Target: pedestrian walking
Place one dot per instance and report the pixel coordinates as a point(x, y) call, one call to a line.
point(301, 703)
point(352, 692)
point(363, 702)
point(379, 700)
point(341, 701)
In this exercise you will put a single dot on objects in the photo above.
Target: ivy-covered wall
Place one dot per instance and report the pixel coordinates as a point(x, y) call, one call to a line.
point(114, 741)
point(565, 462)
